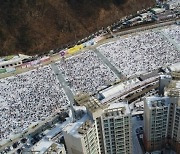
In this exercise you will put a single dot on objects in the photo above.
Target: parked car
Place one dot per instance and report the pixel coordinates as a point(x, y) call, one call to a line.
point(141, 117)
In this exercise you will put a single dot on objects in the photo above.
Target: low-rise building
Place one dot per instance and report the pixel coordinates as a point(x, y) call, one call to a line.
point(46, 146)
point(13, 61)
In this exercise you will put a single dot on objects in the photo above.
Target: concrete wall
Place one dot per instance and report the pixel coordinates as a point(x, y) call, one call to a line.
point(74, 145)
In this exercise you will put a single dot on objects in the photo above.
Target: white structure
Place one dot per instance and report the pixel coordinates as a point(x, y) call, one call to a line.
point(115, 90)
point(13, 62)
point(158, 10)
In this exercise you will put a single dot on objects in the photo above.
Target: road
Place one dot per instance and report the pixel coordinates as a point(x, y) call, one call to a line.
point(171, 41)
point(106, 62)
point(168, 38)
point(144, 27)
point(64, 86)
point(124, 31)
point(29, 131)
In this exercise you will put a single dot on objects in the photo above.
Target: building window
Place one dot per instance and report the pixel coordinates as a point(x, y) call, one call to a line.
point(106, 121)
point(111, 120)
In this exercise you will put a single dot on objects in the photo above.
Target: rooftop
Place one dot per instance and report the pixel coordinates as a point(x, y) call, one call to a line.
point(91, 103)
point(157, 102)
point(117, 109)
point(42, 146)
point(81, 98)
point(175, 75)
point(85, 127)
point(12, 59)
point(52, 133)
point(175, 67)
point(79, 127)
point(173, 89)
point(111, 91)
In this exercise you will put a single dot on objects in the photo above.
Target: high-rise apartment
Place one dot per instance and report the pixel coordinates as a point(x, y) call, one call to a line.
point(173, 133)
point(109, 128)
point(155, 122)
point(162, 118)
point(81, 137)
point(116, 126)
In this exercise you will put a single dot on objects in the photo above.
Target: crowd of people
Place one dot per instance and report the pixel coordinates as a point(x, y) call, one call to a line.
point(141, 52)
point(173, 32)
point(85, 72)
point(27, 98)
point(35, 95)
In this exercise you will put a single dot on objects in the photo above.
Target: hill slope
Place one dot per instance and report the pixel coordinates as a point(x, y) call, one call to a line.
point(35, 26)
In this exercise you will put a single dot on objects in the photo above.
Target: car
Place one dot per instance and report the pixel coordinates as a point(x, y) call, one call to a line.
point(141, 117)
point(140, 130)
point(15, 145)
point(33, 141)
point(28, 145)
point(19, 151)
point(23, 140)
point(137, 117)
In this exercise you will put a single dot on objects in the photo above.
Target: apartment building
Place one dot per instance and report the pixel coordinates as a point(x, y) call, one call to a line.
point(111, 125)
point(162, 118)
point(155, 122)
point(81, 137)
point(117, 129)
point(173, 134)
point(94, 110)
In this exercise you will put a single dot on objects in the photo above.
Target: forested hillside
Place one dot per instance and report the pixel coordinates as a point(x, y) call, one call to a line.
point(36, 26)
